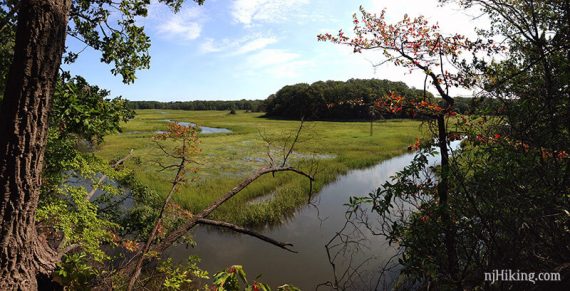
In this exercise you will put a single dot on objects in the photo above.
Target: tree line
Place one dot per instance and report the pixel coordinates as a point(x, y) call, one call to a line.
point(243, 104)
point(327, 100)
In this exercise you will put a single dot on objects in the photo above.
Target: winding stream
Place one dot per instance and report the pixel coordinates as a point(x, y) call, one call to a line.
point(310, 229)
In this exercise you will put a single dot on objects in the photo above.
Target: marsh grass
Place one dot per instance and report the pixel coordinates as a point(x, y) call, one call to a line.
point(227, 158)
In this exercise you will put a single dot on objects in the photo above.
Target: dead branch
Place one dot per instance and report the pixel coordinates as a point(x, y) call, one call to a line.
point(268, 143)
point(295, 140)
point(104, 177)
point(199, 218)
point(182, 230)
point(237, 228)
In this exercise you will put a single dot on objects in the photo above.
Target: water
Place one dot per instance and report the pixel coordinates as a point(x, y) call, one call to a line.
point(310, 229)
point(203, 129)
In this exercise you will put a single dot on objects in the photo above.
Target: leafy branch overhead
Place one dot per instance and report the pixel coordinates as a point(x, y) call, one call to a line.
point(111, 27)
point(415, 44)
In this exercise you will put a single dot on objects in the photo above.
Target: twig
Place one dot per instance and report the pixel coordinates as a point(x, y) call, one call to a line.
point(295, 140)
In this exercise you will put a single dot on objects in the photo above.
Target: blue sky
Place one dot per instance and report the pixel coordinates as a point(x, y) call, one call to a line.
point(249, 49)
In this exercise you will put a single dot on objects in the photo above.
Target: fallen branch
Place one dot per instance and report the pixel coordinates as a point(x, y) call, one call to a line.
point(104, 177)
point(182, 230)
point(200, 217)
point(250, 232)
point(61, 246)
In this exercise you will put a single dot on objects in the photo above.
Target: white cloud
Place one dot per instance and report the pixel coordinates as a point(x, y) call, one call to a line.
point(210, 46)
point(186, 25)
point(238, 46)
point(256, 44)
point(249, 11)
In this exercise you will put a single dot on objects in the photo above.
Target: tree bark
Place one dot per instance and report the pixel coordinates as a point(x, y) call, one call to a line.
point(40, 41)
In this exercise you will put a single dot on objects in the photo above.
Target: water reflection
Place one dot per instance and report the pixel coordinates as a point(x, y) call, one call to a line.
point(203, 129)
point(310, 229)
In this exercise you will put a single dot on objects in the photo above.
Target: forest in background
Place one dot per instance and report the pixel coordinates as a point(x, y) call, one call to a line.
point(327, 100)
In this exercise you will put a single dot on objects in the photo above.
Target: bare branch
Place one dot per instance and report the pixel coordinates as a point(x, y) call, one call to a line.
point(237, 228)
point(182, 230)
point(295, 140)
point(104, 177)
point(268, 143)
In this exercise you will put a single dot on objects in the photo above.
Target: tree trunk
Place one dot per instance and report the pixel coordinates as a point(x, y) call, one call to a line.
point(40, 40)
point(443, 191)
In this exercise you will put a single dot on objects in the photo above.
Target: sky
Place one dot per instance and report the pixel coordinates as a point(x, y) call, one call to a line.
point(249, 49)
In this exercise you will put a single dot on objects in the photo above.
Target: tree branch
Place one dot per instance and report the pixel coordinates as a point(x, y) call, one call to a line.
point(9, 15)
point(237, 228)
point(177, 180)
point(183, 229)
point(295, 140)
point(103, 177)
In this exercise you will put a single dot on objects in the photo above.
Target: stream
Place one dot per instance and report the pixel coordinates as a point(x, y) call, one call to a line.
point(309, 229)
point(203, 129)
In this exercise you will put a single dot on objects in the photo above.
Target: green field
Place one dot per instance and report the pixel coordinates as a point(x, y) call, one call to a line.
point(227, 158)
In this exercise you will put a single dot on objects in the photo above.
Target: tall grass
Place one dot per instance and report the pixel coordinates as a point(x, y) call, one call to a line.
point(226, 159)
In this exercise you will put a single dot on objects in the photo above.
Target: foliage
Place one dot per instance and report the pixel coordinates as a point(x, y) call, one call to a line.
point(532, 82)
point(248, 105)
point(234, 278)
point(120, 39)
point(74, 272)
point(181, 277)
point(508, 184)
point(82, 109)
point(506, 215)
point(81, 116)
point(334, 99)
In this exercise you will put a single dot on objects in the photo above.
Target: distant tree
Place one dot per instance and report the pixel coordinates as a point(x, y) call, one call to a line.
point(252, 105)
point(334, 99)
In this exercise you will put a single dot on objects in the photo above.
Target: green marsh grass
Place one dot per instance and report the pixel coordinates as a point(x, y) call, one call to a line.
point(228, 158)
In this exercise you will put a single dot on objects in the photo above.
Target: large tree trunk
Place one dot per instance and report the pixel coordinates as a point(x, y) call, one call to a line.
point(40, 40)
